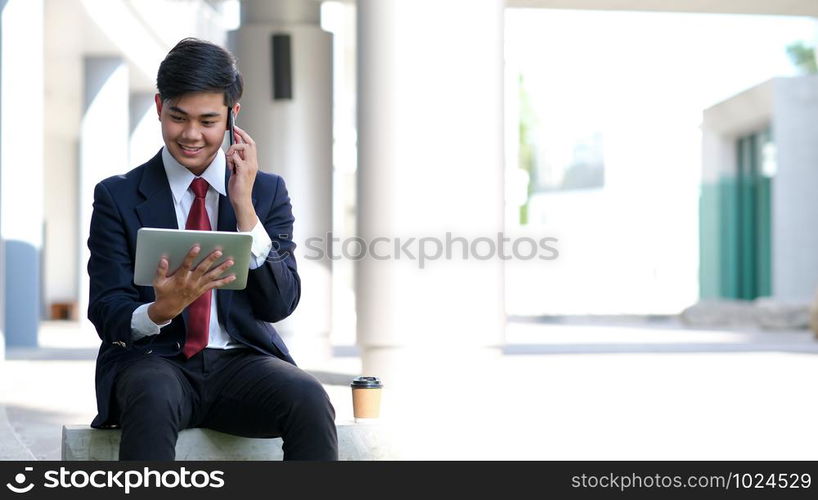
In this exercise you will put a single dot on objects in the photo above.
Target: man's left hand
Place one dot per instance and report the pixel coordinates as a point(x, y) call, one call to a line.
point(242, 160)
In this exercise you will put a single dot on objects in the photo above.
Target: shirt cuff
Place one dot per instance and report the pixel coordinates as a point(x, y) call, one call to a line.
point(142, 325)
point(262, 244)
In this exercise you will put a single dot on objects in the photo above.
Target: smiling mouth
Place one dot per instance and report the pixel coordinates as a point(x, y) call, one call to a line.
point(189, 149)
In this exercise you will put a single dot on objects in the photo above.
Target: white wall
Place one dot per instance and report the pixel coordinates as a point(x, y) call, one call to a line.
point(795, 202)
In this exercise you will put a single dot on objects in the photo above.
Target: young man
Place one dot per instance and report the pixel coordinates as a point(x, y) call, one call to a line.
point(181, 353)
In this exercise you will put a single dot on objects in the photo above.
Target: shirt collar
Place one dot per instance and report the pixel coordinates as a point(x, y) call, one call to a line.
point(180, 177)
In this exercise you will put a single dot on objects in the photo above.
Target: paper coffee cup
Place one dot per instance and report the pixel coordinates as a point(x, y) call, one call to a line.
point(366, 398)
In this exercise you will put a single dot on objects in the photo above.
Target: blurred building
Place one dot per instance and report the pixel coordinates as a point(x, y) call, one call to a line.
point(77, 107)
point(428, 110)
point(760, 151)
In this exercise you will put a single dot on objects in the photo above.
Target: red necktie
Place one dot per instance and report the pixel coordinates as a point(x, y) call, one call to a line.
point(198, 312)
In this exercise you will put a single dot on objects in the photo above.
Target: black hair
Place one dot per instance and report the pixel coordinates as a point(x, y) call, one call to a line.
point(195, 65)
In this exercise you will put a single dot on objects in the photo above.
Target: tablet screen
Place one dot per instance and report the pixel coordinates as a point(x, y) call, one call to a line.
point(153, 243)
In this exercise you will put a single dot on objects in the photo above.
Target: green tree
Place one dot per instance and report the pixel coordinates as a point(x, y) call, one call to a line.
point(803, 57)
point(527, 159)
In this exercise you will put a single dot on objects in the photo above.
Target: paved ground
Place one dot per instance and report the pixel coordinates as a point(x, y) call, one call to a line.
point(566, 392)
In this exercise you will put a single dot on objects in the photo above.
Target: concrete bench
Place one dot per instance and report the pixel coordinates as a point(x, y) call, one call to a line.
point(355, 442)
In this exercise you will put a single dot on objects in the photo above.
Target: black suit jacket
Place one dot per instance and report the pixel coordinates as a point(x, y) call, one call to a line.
point(142, 198)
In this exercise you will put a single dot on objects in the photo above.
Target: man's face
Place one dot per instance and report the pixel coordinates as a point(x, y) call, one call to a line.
point(193, 127)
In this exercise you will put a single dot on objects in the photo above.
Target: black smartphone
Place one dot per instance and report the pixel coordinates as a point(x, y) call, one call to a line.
point(230, 121)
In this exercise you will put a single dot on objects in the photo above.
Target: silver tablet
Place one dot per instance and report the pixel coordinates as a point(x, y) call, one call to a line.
point(152, 244)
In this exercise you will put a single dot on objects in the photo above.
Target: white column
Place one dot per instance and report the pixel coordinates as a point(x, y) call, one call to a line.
point(294, 138)
point(430, 161)
point(103, 145)
point(21, 167)
point(2, 295)
point(145, 130)
point(795, 272)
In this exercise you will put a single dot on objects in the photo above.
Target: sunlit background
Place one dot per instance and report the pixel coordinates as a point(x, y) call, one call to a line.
point(610, 112)
point(670, 155)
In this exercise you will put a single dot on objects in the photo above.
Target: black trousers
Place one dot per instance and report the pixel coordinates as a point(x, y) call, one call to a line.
point(237, 391)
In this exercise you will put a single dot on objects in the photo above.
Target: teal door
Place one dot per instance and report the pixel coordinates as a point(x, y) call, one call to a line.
point(736, 225)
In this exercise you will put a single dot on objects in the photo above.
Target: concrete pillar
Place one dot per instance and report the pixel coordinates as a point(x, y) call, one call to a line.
point(2, 210)
point(2, 298)
point(103, 145)
point(2, 292)
point(795, 272)
point(21, 167)
point(294, 137)
point(145, 129)
point(430, 162)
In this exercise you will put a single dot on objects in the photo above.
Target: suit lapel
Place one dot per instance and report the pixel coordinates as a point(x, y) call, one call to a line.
point(226, 222)
point(227, 217)
point(156, 210)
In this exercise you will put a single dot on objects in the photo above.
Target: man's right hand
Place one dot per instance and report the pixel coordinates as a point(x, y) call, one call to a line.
point(178, 290)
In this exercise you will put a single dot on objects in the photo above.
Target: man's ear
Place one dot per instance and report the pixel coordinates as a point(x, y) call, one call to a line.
point(236, 109)
point(158, 101)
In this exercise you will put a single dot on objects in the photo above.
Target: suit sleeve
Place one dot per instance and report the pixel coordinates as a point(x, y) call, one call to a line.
point(113, 296)
point(274, 288)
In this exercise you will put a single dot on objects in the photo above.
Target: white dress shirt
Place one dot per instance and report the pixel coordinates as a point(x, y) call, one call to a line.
point(179, 179)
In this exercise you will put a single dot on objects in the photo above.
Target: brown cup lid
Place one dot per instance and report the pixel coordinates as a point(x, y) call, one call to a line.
point(366, 383)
